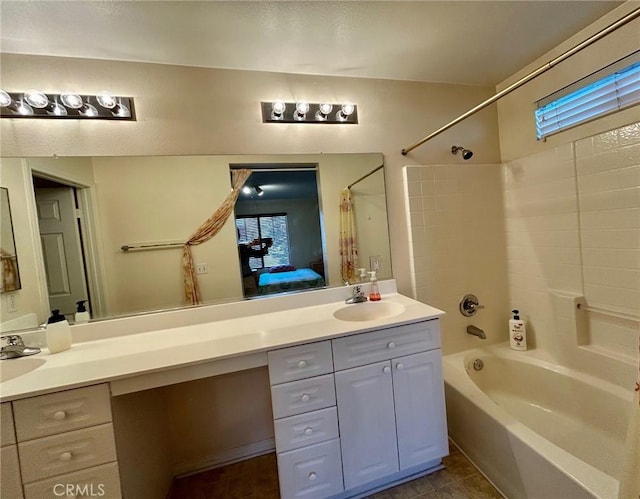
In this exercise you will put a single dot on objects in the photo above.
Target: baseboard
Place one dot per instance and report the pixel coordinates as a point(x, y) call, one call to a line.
point(224, 458)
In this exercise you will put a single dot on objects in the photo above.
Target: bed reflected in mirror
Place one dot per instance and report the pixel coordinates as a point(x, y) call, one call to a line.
point(280, 243)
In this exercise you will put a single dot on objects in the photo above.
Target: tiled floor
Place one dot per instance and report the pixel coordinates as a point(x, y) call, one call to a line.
point(258, 479)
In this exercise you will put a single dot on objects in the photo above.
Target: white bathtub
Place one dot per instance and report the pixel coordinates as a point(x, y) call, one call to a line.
point(536, 429)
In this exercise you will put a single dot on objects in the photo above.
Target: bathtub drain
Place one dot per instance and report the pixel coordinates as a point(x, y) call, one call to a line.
point(478, 365)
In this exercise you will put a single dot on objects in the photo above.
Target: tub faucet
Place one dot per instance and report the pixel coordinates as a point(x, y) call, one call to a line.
point(16, 348)
point(476, 331)
point(357, 296)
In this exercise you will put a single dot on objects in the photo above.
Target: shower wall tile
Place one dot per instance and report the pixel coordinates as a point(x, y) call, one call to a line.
point(608, 179)
point(542, 236)
point(574, 226)
point(458, 246)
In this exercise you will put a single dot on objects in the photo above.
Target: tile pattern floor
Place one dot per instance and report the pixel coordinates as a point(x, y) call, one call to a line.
point(257, 478)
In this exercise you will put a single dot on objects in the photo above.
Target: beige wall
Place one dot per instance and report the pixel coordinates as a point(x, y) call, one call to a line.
point(515, 111)
point(184, 110)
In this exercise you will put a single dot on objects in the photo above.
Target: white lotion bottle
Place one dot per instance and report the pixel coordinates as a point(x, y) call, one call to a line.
point(82, 315)
point(517, 332)
point(58, 333)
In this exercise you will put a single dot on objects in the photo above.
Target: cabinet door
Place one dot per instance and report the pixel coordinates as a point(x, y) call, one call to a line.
point(367, 423)
point(419, 402)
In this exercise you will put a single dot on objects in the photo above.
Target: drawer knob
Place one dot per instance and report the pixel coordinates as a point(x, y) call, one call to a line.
point(60, 415)
point(308, 431)
point(65, 456)
point(302, 364)
point(386, 369)
point(399, 366)
point(312, 476)
point(391, 344)
point(305, 397)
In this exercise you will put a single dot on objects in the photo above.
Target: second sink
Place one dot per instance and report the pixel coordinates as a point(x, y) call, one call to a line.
point(368, 311)
point(13, 368)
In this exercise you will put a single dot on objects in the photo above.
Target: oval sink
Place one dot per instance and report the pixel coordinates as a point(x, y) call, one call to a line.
point(12, 368)
point(368, 311)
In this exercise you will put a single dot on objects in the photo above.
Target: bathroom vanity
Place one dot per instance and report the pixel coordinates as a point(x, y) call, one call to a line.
point(357, 395)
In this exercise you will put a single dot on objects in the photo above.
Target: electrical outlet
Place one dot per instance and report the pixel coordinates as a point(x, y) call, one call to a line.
point(202, 268)
point(375, 263)
point(12, 304)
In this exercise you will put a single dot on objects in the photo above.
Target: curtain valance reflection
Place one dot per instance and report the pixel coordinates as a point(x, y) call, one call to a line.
point(205, 232)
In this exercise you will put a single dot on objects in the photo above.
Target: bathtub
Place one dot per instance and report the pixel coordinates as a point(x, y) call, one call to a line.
point(536, 429)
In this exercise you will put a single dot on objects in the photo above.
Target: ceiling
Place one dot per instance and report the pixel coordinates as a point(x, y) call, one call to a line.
point(471, 42)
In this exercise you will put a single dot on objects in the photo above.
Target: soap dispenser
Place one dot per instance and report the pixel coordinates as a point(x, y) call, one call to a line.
point(58, 333)
point(517, 332)
point(363, 275)
point(374, 291)
point(82, 315)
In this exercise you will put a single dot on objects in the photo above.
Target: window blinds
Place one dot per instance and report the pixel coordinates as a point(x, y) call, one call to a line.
point(618, 89)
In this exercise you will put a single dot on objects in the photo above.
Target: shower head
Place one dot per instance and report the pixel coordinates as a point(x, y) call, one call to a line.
point(466, 153)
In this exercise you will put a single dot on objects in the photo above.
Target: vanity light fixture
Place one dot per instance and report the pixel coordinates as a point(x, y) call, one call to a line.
point(305, 112)
point(37, 104)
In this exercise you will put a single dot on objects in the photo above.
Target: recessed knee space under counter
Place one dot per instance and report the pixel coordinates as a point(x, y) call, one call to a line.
point(199, 394)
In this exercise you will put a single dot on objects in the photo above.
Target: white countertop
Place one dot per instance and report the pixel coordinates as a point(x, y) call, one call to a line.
point(129, 355)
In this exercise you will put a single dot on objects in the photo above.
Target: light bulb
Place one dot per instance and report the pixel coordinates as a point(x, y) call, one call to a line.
point(345, 111)
point(72, 101)
point(246, 189)
point(300, 113)
point(106, 100)
point(259, 191)
point(326, 108)
point(323, 112)
point(36, 99)
point(5, 99)
point(277, 109)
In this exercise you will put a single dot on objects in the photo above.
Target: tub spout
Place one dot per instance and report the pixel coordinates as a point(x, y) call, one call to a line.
point(476, 331)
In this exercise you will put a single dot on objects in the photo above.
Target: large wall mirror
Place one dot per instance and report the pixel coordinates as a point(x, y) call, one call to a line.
point(110, 230)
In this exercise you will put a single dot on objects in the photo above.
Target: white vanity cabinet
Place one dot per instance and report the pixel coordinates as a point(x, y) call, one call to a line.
point(65, 445)
point(11, 484)
point(390, 409)
point(306, 422)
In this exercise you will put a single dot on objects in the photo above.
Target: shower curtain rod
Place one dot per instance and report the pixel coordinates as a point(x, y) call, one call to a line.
point(364, 176)
point(600, 34)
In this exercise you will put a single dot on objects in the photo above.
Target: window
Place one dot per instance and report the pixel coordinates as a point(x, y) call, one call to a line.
point(611, 89)
point(264, 226)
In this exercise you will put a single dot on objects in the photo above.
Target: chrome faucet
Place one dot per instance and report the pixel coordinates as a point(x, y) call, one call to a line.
point(357, 296)
point(476, 331)
point(15, 348)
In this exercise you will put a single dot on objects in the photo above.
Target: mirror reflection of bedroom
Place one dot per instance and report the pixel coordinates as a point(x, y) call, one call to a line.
point(279, 231)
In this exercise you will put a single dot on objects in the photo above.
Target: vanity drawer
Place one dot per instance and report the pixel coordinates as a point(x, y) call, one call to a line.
point(11, 486)
point(62, 411)
point(306, 429)
point(304, 361)
point(366, 348)
point(301, 396)
point(313, 472)
point(7, 431)
point(58, 454)
point(100, 481)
